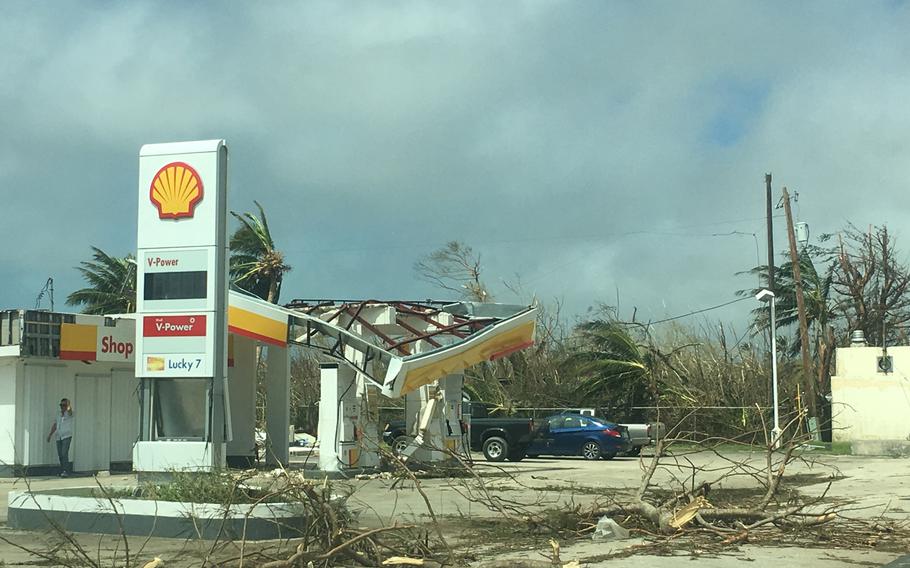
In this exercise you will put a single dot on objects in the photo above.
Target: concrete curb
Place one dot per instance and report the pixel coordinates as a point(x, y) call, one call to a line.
point(886, 448)
point(42, 510)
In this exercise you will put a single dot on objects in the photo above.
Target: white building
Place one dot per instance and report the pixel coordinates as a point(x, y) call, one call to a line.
point(46, 356)
point(92, 366)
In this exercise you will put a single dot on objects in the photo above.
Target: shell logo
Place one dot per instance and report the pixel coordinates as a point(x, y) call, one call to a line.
point(175, 190)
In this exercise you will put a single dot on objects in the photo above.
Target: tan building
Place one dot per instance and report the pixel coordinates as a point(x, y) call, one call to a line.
point(870, 401)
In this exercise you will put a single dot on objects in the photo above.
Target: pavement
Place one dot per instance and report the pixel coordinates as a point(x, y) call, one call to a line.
point(876, 487)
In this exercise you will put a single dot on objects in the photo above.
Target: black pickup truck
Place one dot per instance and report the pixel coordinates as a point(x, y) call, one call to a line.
point(501, 438)
point(497, 438)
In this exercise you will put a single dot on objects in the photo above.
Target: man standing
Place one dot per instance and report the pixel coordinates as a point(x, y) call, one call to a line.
point(63, 426)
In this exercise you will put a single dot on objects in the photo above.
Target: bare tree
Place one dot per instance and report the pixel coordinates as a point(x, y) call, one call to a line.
point(456, 268)
point(874, 286)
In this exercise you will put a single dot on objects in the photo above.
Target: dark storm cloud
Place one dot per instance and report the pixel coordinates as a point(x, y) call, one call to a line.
point(580, 147)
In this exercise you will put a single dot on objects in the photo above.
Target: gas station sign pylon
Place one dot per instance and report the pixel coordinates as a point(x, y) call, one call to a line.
point(182, 288)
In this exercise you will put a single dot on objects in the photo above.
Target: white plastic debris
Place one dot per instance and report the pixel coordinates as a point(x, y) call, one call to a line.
point(608, 529)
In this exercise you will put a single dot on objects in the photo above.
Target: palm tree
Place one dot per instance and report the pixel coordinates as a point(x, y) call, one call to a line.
point(818, 295)
point(256, 265)
point(613, 366)
point(112, 284)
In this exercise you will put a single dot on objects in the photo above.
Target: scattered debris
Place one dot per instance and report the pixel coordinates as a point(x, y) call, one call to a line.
point(402, 561)
point(380, 475)
point(682, 517)
point(608, 529)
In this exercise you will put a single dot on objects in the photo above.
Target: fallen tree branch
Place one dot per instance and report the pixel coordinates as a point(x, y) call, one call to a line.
point(302, 555)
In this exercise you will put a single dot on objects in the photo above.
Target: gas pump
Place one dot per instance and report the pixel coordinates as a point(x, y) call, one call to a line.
point(434, 419)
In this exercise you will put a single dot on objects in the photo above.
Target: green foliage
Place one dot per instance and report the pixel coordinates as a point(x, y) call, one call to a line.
point(112, 284)
point(818, 295)
point(612, 367)
point(834, 448)
point(221, 487)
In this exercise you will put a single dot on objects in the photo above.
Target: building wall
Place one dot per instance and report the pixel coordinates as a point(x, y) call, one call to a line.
point(91, 446)
point(867, 404)
point(38, 395)
point(105, 404)
point(124, 414)
point(8, 411)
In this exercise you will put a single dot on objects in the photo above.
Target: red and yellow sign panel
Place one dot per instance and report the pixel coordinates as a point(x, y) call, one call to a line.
point(175, 190)
point(77, 342)
point(86, 342)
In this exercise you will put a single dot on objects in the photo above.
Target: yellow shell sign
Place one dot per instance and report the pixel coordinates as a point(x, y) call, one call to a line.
point(175, 190)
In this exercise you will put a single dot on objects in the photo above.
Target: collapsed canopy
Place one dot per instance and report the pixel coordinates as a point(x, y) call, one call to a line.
point(399, 346)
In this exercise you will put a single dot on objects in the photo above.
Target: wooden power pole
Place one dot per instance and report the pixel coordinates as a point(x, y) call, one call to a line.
point(808, 381)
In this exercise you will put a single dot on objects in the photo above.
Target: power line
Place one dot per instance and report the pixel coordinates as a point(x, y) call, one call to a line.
point(669, 231)
point(741, 337)
point(698, 311)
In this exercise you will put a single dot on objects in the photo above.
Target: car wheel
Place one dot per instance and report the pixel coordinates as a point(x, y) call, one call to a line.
point(591, 450)
point(636, 451)
point(608, 456)
point(400, 443)
point(495, 449)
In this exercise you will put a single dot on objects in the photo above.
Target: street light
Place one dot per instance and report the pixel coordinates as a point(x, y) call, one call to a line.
point(768, 296)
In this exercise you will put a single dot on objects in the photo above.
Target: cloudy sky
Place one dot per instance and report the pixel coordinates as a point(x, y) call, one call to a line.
point(593, 150)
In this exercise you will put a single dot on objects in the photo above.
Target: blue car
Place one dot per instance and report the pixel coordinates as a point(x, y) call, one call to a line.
point(577, 435)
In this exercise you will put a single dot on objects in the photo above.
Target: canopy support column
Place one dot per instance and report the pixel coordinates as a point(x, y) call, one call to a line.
point(278, 405)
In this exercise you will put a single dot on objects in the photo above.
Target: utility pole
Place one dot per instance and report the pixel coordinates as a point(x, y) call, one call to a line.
point(808, 381)
point(770, 233)
point(771, 321)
